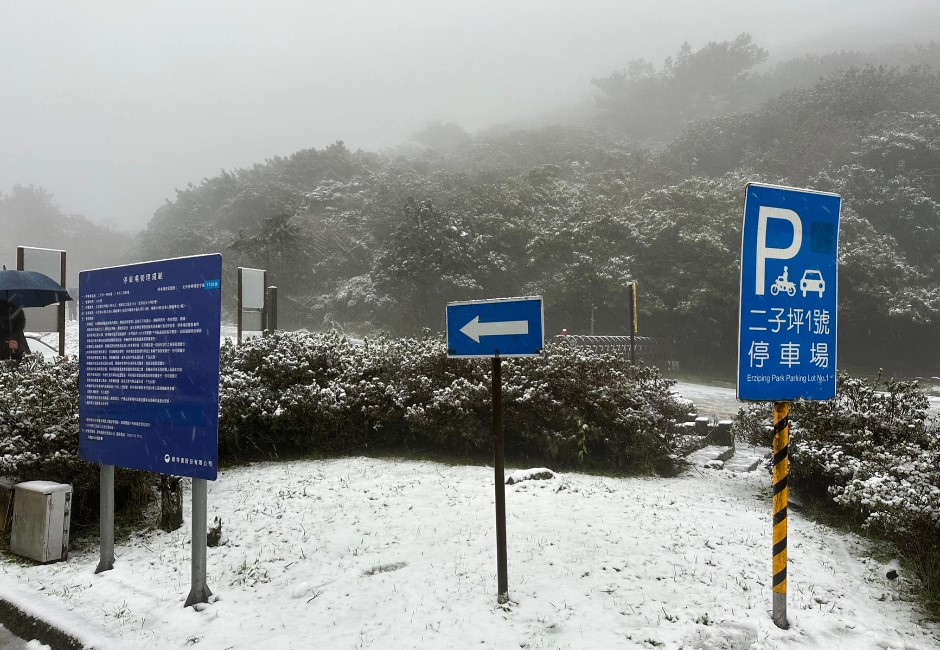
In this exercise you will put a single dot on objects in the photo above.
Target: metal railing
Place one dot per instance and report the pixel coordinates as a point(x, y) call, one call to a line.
point(649, 350)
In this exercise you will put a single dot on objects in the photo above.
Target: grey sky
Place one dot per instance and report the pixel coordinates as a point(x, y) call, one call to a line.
point(110, 105)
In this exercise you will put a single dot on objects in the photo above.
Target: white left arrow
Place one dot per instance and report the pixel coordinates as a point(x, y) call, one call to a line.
point(475, 329)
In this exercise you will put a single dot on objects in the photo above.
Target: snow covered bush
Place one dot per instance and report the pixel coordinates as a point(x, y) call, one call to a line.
point(879, 456)
point(873, 435)
point(39, 435)
point(874, 452)
point(302, 392)
point(577, 406)
point(754, 425)
point(284, 392)
point(38, 419)
point(446, 402)
point(299, 392)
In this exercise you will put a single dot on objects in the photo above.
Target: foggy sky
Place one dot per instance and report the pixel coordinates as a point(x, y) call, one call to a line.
point(111, 105)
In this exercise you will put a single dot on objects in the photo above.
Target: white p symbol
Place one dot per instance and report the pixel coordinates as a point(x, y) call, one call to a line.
point(765, 253)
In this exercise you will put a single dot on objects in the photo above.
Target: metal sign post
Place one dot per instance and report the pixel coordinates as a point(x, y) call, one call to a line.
point(504, 327)
point(781, 472)
point(499, 443)
point(106, 518)
point(270, 310)
point(787, 325)
point(199, 591)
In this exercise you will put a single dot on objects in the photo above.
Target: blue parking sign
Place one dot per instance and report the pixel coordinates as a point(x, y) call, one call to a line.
point(789, 290)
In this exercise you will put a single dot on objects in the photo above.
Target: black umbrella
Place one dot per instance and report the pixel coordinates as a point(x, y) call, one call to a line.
point(30, 289)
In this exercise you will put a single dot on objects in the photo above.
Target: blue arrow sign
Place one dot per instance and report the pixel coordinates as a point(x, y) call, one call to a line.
point(789, 281)
point(504, 327)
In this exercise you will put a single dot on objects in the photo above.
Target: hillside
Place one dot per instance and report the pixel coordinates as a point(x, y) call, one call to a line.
point(368, 242)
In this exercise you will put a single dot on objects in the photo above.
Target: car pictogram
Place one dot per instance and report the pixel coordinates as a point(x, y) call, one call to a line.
point(812, 281)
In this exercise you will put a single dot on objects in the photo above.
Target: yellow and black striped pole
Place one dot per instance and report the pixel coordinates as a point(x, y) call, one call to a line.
point(781, 472)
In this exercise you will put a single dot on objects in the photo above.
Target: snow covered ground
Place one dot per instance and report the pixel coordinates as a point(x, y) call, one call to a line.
point(715, 402)
point(359, 552)
point(719, 402)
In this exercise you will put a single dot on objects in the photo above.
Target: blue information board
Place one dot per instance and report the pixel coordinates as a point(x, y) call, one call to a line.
point(789, 289)
point(505, 327)
point(149, 366)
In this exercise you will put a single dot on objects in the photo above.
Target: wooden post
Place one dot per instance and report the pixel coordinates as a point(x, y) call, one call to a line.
point(270, 308)
point(171, 502)
point(238, 307)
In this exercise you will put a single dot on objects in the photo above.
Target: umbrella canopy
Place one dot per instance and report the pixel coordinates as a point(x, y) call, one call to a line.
point(30, 289)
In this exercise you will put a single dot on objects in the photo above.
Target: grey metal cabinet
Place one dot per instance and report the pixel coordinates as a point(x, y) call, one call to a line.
point(41, 517)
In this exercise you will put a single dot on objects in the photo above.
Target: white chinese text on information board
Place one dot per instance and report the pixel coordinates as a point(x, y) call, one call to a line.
point(149, 366)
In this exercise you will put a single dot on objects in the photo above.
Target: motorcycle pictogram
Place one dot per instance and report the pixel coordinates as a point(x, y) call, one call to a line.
point(782, 283)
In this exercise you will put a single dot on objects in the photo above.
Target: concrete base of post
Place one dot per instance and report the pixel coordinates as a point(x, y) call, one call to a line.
point(780, 611)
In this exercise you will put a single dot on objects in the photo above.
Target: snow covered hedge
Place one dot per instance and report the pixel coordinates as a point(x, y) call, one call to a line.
point(875, 453)
point(305, 392)
point(874, 450)
point(39, 435)
point(298, 392)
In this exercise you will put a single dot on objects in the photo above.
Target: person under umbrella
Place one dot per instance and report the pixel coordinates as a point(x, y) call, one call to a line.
point(18, 290)
point(12, 327)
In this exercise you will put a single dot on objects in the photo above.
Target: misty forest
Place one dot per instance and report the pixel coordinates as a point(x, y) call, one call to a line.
point(647, 185)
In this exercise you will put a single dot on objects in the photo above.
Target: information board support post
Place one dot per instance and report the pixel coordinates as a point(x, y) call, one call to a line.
point(199, 593)
point(61, 308)
point(781, 472)
point(106, 518)
point(270, 306)
point(499, 444)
